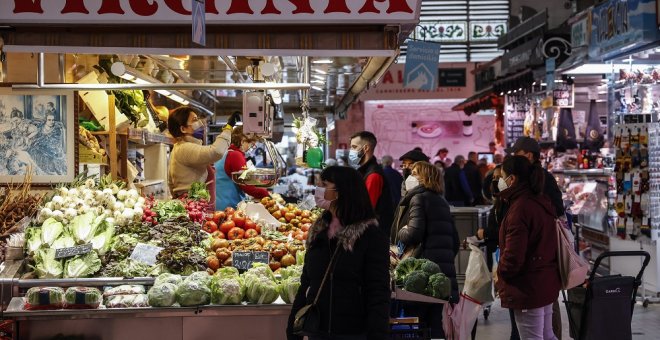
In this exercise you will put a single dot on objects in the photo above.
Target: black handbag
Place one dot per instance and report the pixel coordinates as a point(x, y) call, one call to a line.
point(308, 319)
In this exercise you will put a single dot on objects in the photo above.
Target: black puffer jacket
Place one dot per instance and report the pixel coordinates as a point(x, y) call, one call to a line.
point(428, 219)
point(356, 297)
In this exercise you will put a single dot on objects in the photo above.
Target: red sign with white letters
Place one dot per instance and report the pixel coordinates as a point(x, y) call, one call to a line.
point(217, 11)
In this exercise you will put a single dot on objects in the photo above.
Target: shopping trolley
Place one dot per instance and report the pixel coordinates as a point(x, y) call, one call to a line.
point(602, 308)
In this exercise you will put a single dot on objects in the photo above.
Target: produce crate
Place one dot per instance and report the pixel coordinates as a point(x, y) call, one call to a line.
point(86, 156)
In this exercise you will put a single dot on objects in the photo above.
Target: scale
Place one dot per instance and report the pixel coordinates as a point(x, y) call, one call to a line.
point(258, 115)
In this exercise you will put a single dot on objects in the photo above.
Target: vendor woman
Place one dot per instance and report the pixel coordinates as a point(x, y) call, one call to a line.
point(228, 193)
point(190, 160)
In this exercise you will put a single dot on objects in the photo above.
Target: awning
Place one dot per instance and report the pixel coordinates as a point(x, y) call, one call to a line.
point(484, 100)
point(514, 82)
point(579, 56)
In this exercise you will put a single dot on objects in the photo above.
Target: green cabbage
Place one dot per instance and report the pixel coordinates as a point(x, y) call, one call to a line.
point(162, 295)
point(168, 278)
point(33, 236)
point(227, 291)
point(289, 288)
point(261, 290)
point(46, 266)
point(50, 231)
point(259, 270)
point(103, 240)
point(227, 273)
point(83, 227)
point(64, 241)
point(291, 272)
point(300, 257)
point(193, 293)
point(82, 265)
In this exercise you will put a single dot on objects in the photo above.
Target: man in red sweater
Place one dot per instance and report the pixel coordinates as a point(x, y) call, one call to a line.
point(228, 193)
point(361, 157)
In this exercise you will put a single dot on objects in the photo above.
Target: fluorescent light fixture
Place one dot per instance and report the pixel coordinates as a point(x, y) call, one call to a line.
point(319, 71)
point(590, 69)
point(322, 61)
point(319, 77)
point(544, 84)
point(316, 81)
point(317, 88)
point(135, 76)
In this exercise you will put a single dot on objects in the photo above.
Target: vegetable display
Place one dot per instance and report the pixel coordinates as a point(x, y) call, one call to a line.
point(162, 295)
point(41, 298)
point(82, 298)
point(422, 276)
point(193, 292)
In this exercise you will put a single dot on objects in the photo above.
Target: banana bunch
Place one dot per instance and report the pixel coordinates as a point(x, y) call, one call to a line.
point(89, 140)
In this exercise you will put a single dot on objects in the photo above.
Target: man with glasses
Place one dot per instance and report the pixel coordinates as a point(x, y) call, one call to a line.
point(228, 193)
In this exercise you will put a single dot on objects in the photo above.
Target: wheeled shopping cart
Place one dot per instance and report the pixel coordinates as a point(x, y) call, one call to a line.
point(603, 307)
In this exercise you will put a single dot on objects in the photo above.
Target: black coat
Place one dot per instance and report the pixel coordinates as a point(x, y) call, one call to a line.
point(551, 190)
point(394, 181)
point(384, 208)
point(453, 190)
point(356, 297)
point(474, 179)
point(429, 222)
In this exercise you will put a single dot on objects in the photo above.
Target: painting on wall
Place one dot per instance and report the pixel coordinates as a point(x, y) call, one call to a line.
point(37, 134)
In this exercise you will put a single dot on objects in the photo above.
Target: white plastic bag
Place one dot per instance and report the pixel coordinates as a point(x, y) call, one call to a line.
point(478, 281)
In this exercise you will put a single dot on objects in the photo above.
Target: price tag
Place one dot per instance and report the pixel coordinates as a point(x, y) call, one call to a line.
point(242, 260)
point(145, 253)
point(73, 251)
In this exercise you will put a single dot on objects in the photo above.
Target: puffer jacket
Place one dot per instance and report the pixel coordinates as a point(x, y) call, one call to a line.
point(356, 298)
point(528, 271)
point(429, 222)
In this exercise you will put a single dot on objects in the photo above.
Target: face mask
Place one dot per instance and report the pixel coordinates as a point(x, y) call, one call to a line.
point(411, 183)
point(197, 125)
point(501, 184)
point(354, 158)
point(319, 198)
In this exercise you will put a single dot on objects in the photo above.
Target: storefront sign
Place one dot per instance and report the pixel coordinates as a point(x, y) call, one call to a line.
point(580, 33)
point(525, 55)
point(619, 26)
point(421, 65)
point(217, 12)
point(487, 31)
point(445, 32)
point(451, 77)
point(390, 86)
point(563, 96)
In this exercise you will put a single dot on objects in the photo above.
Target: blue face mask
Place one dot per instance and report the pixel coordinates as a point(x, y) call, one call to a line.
point(354, 158)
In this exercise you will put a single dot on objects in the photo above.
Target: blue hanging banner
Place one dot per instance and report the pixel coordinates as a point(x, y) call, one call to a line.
point(421, 71)
point(622, 26)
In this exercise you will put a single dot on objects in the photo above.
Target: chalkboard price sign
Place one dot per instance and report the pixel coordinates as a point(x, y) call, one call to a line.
point(73, 251)
point(243, 260)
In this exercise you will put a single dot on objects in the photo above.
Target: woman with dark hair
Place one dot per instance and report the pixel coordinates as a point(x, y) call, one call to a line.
point(528, 274)
point(426, 230)
point(354, 302)
point(190, 160)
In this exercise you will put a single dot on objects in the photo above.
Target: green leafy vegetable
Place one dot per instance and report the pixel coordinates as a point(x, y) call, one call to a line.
point(50, 231)
point(46, 266)
point(163, 295)
point(64, 241)
point(35, 297)
point(83, 296)
point(193, 293)
point(289, 288)
point(430, 267)
point(227, 291)
point(439, 286)
point(170, 209)
point(33, 236)
point(198, 191)
point(102, 242)
point(82, 265)
point(261, 290)
point(168, 278)
point(83, 227)
point(416, 282)
point(405, 267)
point(227, 273)
point(291, 271)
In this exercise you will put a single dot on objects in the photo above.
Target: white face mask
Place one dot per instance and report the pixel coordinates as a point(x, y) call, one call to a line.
point(411, 182)
point(354, 158)
point(319, 198)
point(501, 184)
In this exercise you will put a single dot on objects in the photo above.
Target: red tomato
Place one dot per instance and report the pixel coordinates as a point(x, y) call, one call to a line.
point(219, 217)
point(305, 226)
point(226, 226)
point(249, 224)
point(236, 233)
point(229, 211)
point(250, 233)
point(239, 219)
point(210, 227)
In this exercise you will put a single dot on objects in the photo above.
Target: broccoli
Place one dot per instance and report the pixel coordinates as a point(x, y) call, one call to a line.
point(405, 267)
point(439, 286)
point(430, 267)
point(416, 282)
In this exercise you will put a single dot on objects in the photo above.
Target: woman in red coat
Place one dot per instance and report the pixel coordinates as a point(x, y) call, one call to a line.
point(528, 273)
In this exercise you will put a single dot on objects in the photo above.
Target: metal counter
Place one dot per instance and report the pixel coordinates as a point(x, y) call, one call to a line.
point(203, 322)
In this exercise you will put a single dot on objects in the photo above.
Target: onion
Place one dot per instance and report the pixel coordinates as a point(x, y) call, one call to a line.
point(122, 194)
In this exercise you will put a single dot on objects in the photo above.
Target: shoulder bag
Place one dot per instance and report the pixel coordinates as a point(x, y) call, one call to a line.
point(308, 319)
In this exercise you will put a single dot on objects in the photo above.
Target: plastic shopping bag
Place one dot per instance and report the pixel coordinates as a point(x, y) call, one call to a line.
point(458, 319)
point(478, 280)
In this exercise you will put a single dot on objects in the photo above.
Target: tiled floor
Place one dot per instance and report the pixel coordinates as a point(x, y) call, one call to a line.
point(645, 324)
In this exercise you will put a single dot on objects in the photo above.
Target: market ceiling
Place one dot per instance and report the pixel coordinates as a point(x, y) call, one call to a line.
point(349, 33)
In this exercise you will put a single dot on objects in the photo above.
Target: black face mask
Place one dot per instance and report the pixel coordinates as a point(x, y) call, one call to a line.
point(406, 173)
